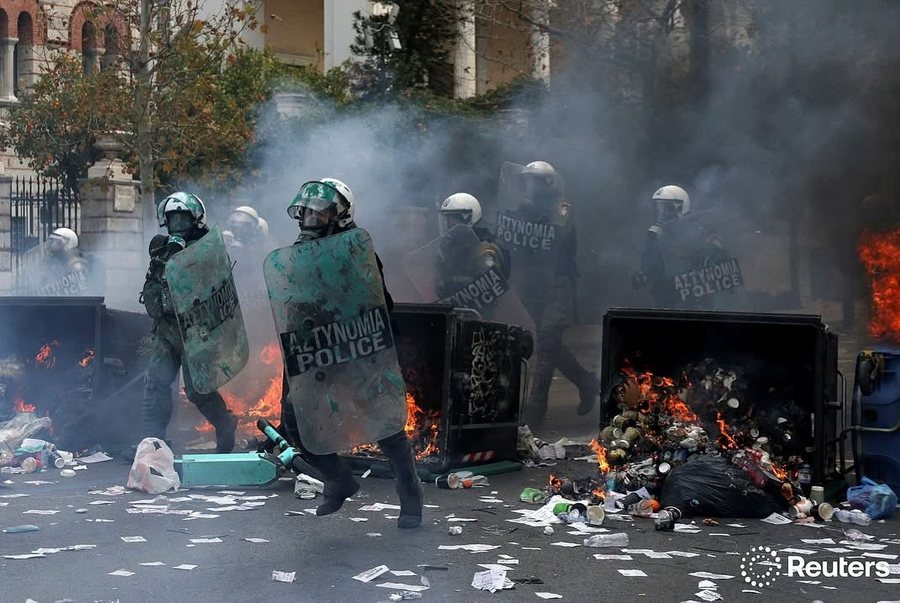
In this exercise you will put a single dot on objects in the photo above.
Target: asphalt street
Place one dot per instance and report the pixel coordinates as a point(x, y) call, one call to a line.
point(327, 552)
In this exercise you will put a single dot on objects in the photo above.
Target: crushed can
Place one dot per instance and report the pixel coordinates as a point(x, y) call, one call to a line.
point(665, 519)
point(451, 481)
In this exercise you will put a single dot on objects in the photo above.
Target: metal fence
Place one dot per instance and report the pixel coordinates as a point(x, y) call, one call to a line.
point(38, 206)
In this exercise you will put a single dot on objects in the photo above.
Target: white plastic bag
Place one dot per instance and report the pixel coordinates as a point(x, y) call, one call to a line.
point(153, 470)
point(21, 426)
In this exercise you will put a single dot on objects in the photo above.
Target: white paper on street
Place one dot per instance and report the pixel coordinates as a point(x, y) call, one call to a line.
point(798, 551)
point(278, 576)
point(398, 586)
point(359, 519)
point(121, 572)
point(686, 528)
point(101, 502)
point(379, 507)
point(256, 540)
point(838, 550)
point(543, 595)
point(403, 573)
point(889, 580)
point(565, 544)
point(461, 519)
point(205, 540)
point(40, 512)
point(682, 554)
point(185, 566)
point(880, 556)
point(633, 573)
point(472, 548)
point(371, 574)
point(491, 580)
point(97, 457)
point(18, 495)
point(809, 581)
point(152, 563)
point(657, 555)
point(776, 519)
point(606, 557)
point(133, 539)
point(708, 595)
point(24, 556)
point(711, 576)
point(817, 540)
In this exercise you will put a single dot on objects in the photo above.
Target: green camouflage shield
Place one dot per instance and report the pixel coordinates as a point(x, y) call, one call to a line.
point(450, 270)
point(208, 311)
point(344, 380)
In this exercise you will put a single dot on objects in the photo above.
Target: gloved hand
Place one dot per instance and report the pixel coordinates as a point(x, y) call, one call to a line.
point(175, 243)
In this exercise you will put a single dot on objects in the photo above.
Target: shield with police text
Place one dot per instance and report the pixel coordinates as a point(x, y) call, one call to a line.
point(208, 312)
point(530, 228)
point(460, 270)
point(696, 264)
point(41, 272)
point(344, 380)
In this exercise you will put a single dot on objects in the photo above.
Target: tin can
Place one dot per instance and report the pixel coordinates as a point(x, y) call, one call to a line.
point(817, 494)
point(619, 421)
point(450, 481)
point(58, 461)
point(631, 435)
point(595, 515)
point(824, 511)
point(665, 519)
point(607, 435)
point(629, 499)
point(663, 468)
point(616, 457)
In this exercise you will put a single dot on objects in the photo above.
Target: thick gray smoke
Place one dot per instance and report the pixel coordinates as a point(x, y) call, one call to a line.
point(782, 135)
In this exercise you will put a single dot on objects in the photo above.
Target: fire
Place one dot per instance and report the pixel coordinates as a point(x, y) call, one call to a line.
point(600, 451)
point(45, 355)
point(599, 493)
point(88, 358)
point(780, 473)
point(880, 254)
point(555, 483)
point(727, 440)
point(21, 405)
point(679, 410)
point(421, 428)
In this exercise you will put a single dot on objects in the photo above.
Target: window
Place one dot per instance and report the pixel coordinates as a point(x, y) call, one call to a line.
point(23, 61)
point(89, 51)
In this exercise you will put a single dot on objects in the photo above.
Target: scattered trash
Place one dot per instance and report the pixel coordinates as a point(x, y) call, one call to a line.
point(152, 563)
point(877, 500)
point(711, 576)
point(40, 512)
point(279, 576)
point(185, 566)
point(306, 487)
point(617, 540)
point(633, 573)
point(403, 587)
point(472, 548)
point(709, 521)
point(21, 529)
point(492, 580)
point(256, 540)
point(405, 595)
point(543, 595)
point(708, 595)
point(133, 539)
point(153, 470)
point(121, 572)
point(776, 519)
point(97, 457)
point(369, 575)
point(67, 473)
point(548, 530)
point(454, 530)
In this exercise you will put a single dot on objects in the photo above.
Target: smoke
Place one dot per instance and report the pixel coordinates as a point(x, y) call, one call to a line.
point(776, 118)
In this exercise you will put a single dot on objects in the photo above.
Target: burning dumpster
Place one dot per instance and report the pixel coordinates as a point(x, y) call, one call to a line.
point(75, 361)
point(464, 386)
point(757, 389)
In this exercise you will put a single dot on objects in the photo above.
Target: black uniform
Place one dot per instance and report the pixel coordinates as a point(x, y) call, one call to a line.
point(339, 481)
point(167, 353)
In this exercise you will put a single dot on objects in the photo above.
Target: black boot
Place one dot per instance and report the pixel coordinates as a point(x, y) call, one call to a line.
point(403, 462)
point(588, 390)
point(339, 482)
point(225, 428)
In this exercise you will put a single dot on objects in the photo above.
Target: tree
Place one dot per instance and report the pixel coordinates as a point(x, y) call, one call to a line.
point(180, 96)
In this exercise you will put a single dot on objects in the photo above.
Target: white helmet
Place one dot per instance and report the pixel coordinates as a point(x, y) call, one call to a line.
point(676, 195)
point(63, 239)
point(539, 168)
point(181, 201)
point(246, 209)
point(264, 227)
point(462, 206)
point(319, 194)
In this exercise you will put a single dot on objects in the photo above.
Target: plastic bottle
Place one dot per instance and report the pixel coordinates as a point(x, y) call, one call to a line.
point(29, 464)
point(617, 540)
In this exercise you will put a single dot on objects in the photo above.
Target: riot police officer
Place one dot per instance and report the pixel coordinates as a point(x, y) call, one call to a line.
point(549, 293)
point(323, 208)
point(673, 246)
point(65, 270)
point(184, 216)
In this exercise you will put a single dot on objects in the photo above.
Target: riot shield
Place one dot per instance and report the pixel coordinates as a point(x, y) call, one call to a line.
point(42, 273)
point(696, 267)
point(448, 271)
point(531, 234)
point(344, 380)
point(208, 312)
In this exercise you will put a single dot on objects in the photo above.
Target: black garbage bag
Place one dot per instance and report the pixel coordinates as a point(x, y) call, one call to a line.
point(711, 486)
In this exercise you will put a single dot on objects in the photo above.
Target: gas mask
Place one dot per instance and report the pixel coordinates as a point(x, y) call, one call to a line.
point(540, 189)
point(179, 222)
point(666, 211)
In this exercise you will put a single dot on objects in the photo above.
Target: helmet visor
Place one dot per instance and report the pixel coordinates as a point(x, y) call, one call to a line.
point(449, 219)
point(179, 221)
point(315, 196)
point(55, 244)
point(668, 209)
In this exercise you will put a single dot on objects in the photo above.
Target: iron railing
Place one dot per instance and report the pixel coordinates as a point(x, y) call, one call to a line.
point(38, 206)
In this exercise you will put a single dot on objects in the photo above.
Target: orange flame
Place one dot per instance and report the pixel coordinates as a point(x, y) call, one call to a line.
point(728, 441)
point(45, 355)
point(88, 358)
point(600, 451)
point(555, 482)
point(880, 254)
point(599, 493)
point(780, 473)
point(21, 405)
point(679, 410)
point(421, 425)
